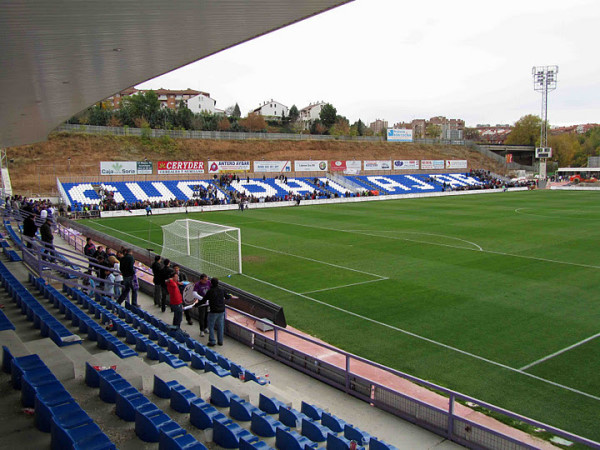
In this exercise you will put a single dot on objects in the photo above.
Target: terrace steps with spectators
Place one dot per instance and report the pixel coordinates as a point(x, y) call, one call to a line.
point(290, 387)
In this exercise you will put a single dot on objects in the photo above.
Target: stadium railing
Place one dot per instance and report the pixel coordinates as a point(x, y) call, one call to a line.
point(446, 421)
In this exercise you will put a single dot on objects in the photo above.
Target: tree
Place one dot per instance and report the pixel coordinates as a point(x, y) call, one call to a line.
point(142, 105)
point(317, 127)
point(294, 114)
point(254, 123)
point(224, 124)
point(565, 149)
point(340, 128)
point(328, 115)
point(526, 131)
point(471, 134)
point(433, 131)
point(184, 116)
point(236, 111)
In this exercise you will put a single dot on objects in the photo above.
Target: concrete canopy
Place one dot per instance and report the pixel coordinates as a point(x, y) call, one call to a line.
point(58, 57)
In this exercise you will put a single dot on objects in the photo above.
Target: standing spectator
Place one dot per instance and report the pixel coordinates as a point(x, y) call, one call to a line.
point(200, 289)
point(183, 277)
point(128, 271)
point(216, 315)
point(29, 229)
point(89, 250)
point(117, 275)
point(47, 240)
point(156, 268)
point(165, 274)
point(175, 299)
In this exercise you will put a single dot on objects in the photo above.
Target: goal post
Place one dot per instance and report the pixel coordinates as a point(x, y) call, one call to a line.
point(203, 246)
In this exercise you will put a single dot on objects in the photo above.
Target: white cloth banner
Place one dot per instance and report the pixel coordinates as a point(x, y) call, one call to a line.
point(378, 165)
point(272, 166)
point(310, 166)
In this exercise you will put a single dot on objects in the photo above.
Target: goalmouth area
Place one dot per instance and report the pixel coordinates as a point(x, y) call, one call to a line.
point(494, 296)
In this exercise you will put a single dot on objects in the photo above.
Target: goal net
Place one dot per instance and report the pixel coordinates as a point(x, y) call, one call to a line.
point(203, 246)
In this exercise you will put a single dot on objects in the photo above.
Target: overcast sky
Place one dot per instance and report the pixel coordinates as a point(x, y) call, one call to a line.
point(400, 60)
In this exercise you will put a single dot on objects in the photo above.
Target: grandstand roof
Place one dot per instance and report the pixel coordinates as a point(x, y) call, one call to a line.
point(60, 57)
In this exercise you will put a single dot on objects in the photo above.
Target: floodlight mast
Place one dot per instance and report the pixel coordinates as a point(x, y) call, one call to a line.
point(545, 79)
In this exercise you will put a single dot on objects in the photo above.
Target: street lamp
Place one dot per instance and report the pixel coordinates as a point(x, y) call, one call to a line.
point(545, 79)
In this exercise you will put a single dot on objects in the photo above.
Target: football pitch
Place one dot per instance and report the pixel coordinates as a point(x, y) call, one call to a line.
point(495, 296)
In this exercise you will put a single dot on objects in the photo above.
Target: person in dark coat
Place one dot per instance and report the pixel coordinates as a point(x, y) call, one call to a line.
point(127, 264)
point(216, 316)
point(29, 229)
point(156, 269)
point(47, 240)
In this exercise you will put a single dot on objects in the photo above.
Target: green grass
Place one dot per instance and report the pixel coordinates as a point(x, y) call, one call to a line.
point(507, 278)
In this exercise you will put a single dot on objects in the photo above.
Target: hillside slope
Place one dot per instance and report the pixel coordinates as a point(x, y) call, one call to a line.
point(34, 168)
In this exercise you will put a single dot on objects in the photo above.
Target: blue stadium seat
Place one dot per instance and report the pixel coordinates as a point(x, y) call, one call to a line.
point(312, 411)
point(162, 388)
point(241, 410)
point(291, 417)
point(269, 405)
point(314, 430)
point(227, 434)
point(221, 398)
point(355, 434)
point(375, 444)
point(291, 440)
point(203, 415)
point(332, 422)
point(181, 397)
point(265, 425)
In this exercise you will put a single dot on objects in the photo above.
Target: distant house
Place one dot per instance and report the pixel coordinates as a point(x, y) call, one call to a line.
point(272, 110)
point(202, 103)
point(168, 98)
point(311, 113)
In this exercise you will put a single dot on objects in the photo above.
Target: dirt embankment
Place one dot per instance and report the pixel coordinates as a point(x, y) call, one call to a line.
point(35, 168)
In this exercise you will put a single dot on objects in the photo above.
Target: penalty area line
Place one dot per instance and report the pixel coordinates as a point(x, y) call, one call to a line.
point(345, 286)
point(560, 352)
point(423, 338)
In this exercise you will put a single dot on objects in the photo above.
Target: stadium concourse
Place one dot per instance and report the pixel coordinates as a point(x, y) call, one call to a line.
point(105, 375)
point(120, 195)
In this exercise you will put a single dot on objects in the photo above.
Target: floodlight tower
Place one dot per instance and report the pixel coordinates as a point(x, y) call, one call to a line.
point(544, 81)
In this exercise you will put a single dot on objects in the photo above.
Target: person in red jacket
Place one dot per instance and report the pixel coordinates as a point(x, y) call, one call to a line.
point(175, 299)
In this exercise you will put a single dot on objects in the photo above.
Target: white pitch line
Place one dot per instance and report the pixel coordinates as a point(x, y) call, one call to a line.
point(535, 258)
point(130, 235)
point(314, 260)
point(345, 286)
point(423, 338)
point(564, 350)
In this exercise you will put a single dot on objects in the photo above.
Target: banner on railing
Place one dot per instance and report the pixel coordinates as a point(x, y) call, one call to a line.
point(118, 167)
point(228, 166)
point(406, 164)
point(378, 165)
point(348, 167)
point(310, 166)
point(272, 166)
point(456, 164)
point(399, 135)
point(432, 164)
point(173, 167)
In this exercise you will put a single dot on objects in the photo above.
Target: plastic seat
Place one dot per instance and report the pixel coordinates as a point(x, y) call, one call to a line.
point(264, 425)
point(198, 361)
point(227, 434)
point(291, 440)
point(148, 424)
point(314, 430)
point(181, 397)
point(270, 405)
point(355, 434)
point(375, 444)
point(332, 422)
point(178, 441)
point(126, 405)
point(339, 443)
point(253, 445)
point(162, 388)
point(203, 415)
point(221, 398)
point(241, 410)
point(291, 417)
point(312, 411)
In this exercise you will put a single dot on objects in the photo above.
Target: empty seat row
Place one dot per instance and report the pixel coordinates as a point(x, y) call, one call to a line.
point(151, 423)
point(48, 325)
point(55, 410)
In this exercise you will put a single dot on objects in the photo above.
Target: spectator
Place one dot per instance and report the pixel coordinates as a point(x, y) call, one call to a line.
point(183, 277)
point(156, 268)
point(216, 316)
point(165, 274)
point(29, 229)
point(128, 270)
point(200, 289)
point(175, 299)
point(117, 276)
point(47, 240)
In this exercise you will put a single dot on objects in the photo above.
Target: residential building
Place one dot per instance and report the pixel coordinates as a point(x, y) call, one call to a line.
point(451, 129)
point(311, 113)
point(168, 98)
point(493, 134)
point(378, 126)
point(272, 110)
point(577, 129)
point(202, 103)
